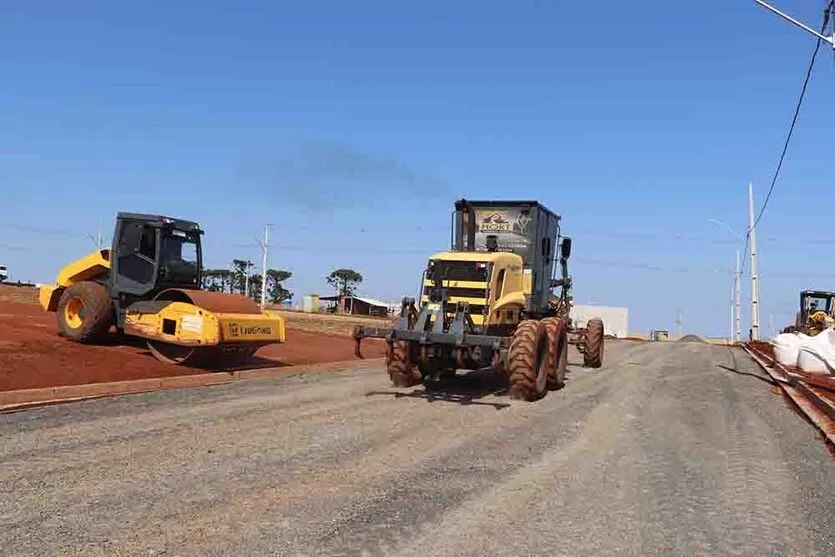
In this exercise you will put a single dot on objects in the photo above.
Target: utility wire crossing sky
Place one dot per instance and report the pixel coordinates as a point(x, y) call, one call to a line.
point(354, 126)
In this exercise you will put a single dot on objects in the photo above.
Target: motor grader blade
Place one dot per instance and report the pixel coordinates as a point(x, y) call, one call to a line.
point(182, 326)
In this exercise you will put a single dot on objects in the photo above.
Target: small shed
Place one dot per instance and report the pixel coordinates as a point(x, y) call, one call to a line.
point(615, 319)
point(357, 305)
point(310, 303)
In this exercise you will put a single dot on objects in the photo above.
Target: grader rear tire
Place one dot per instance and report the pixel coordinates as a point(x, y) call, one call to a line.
point(556, 361)
point(593, 356)
point(85, 312)
point(526, 362)
point(402, 371)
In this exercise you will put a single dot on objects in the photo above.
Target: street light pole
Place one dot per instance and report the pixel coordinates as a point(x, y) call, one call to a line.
point(678, 323)
point(264, 267)
point(731, 330)
point(755, 285)
point(829, 40)
point(736, 309)
point(737, 302)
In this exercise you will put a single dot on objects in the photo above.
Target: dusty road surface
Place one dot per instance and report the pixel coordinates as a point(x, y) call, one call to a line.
point(670, 449)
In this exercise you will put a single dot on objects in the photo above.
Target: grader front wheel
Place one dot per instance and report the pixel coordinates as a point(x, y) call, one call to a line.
point(556, 362)
point(526, 361)
point(401, 370)
point(593, 354)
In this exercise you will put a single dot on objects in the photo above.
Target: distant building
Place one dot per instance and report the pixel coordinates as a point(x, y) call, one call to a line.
point(615, 319)
point(357, 305)
point(310, 303)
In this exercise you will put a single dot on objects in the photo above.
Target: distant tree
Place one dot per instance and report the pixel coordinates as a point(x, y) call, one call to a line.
point(255, 287)
point(344, 281)
point(275, 290)
point(207, 280)
point(214, 280)
point(240, 270)
point(224, 279)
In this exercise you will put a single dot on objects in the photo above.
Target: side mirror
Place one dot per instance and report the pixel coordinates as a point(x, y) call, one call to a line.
point(565, 248)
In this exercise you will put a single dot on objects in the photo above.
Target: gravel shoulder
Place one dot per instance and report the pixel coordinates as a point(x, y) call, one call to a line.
point(669, 449)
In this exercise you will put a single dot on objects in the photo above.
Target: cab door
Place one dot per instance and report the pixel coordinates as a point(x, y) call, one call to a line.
point(135, 260)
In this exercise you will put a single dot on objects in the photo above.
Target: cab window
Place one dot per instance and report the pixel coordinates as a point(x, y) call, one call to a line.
point(148, 242)
point(499, 285)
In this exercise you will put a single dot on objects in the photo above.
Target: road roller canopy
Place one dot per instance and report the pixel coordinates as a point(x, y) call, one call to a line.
point(160, 221)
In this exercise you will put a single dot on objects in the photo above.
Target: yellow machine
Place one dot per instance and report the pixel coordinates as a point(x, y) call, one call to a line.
point(147, 285)
point(817, 312)
point(490, 302)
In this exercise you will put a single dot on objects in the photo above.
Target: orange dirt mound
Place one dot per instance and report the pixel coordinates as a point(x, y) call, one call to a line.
point(33, 355)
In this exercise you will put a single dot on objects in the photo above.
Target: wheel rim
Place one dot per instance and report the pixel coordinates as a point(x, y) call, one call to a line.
point(74, 313)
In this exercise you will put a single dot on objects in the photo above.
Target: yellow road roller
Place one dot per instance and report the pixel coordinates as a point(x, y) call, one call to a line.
point(148, 285)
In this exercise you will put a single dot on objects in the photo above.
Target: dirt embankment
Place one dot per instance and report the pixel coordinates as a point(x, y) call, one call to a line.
point(32, 354)
point(329, 323)
point(23, 294)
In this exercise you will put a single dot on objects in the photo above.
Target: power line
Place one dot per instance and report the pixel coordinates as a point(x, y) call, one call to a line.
point(38, 230)
point(826, 14)
point(796, 114)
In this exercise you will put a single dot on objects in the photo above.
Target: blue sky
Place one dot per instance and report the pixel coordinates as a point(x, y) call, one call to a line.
point(354, 126)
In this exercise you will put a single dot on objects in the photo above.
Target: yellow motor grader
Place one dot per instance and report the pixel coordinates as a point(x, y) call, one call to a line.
point(490, 302)
point(817, 312)
point(148, 285)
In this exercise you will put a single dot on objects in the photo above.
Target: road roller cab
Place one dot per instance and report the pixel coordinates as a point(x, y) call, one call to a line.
point(147, 285)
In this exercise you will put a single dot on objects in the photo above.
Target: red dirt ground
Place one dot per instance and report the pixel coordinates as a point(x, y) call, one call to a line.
point(33, 355)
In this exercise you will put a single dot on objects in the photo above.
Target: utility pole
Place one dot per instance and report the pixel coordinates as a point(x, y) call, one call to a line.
point(678, 323)
point(735, 292)
point(755, 286)
point(737, 297)
point(98, 239)
point(264, 267)
point(248, 266)
point(731, 330)
point(829, 8)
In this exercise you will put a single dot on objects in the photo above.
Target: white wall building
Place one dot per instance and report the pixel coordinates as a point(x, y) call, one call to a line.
point(615, 320)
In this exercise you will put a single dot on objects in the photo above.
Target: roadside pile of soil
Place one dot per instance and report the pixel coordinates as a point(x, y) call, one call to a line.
point(692, 338)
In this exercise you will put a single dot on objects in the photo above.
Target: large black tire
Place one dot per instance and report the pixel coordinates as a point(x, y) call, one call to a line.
point(402, 371)
point(556, 361)
point(593, 356)
point(85, 312)
point(526, 361)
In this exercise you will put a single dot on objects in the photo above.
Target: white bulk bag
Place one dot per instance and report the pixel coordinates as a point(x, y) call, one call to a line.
point(817, 354)
point(787, 348)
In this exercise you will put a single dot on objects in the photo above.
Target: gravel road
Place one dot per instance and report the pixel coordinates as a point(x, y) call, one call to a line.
point(669, 449)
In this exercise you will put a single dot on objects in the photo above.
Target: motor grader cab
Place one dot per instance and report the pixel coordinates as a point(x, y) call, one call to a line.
point(817, 312)
point(489, 302)
point(147, 285)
